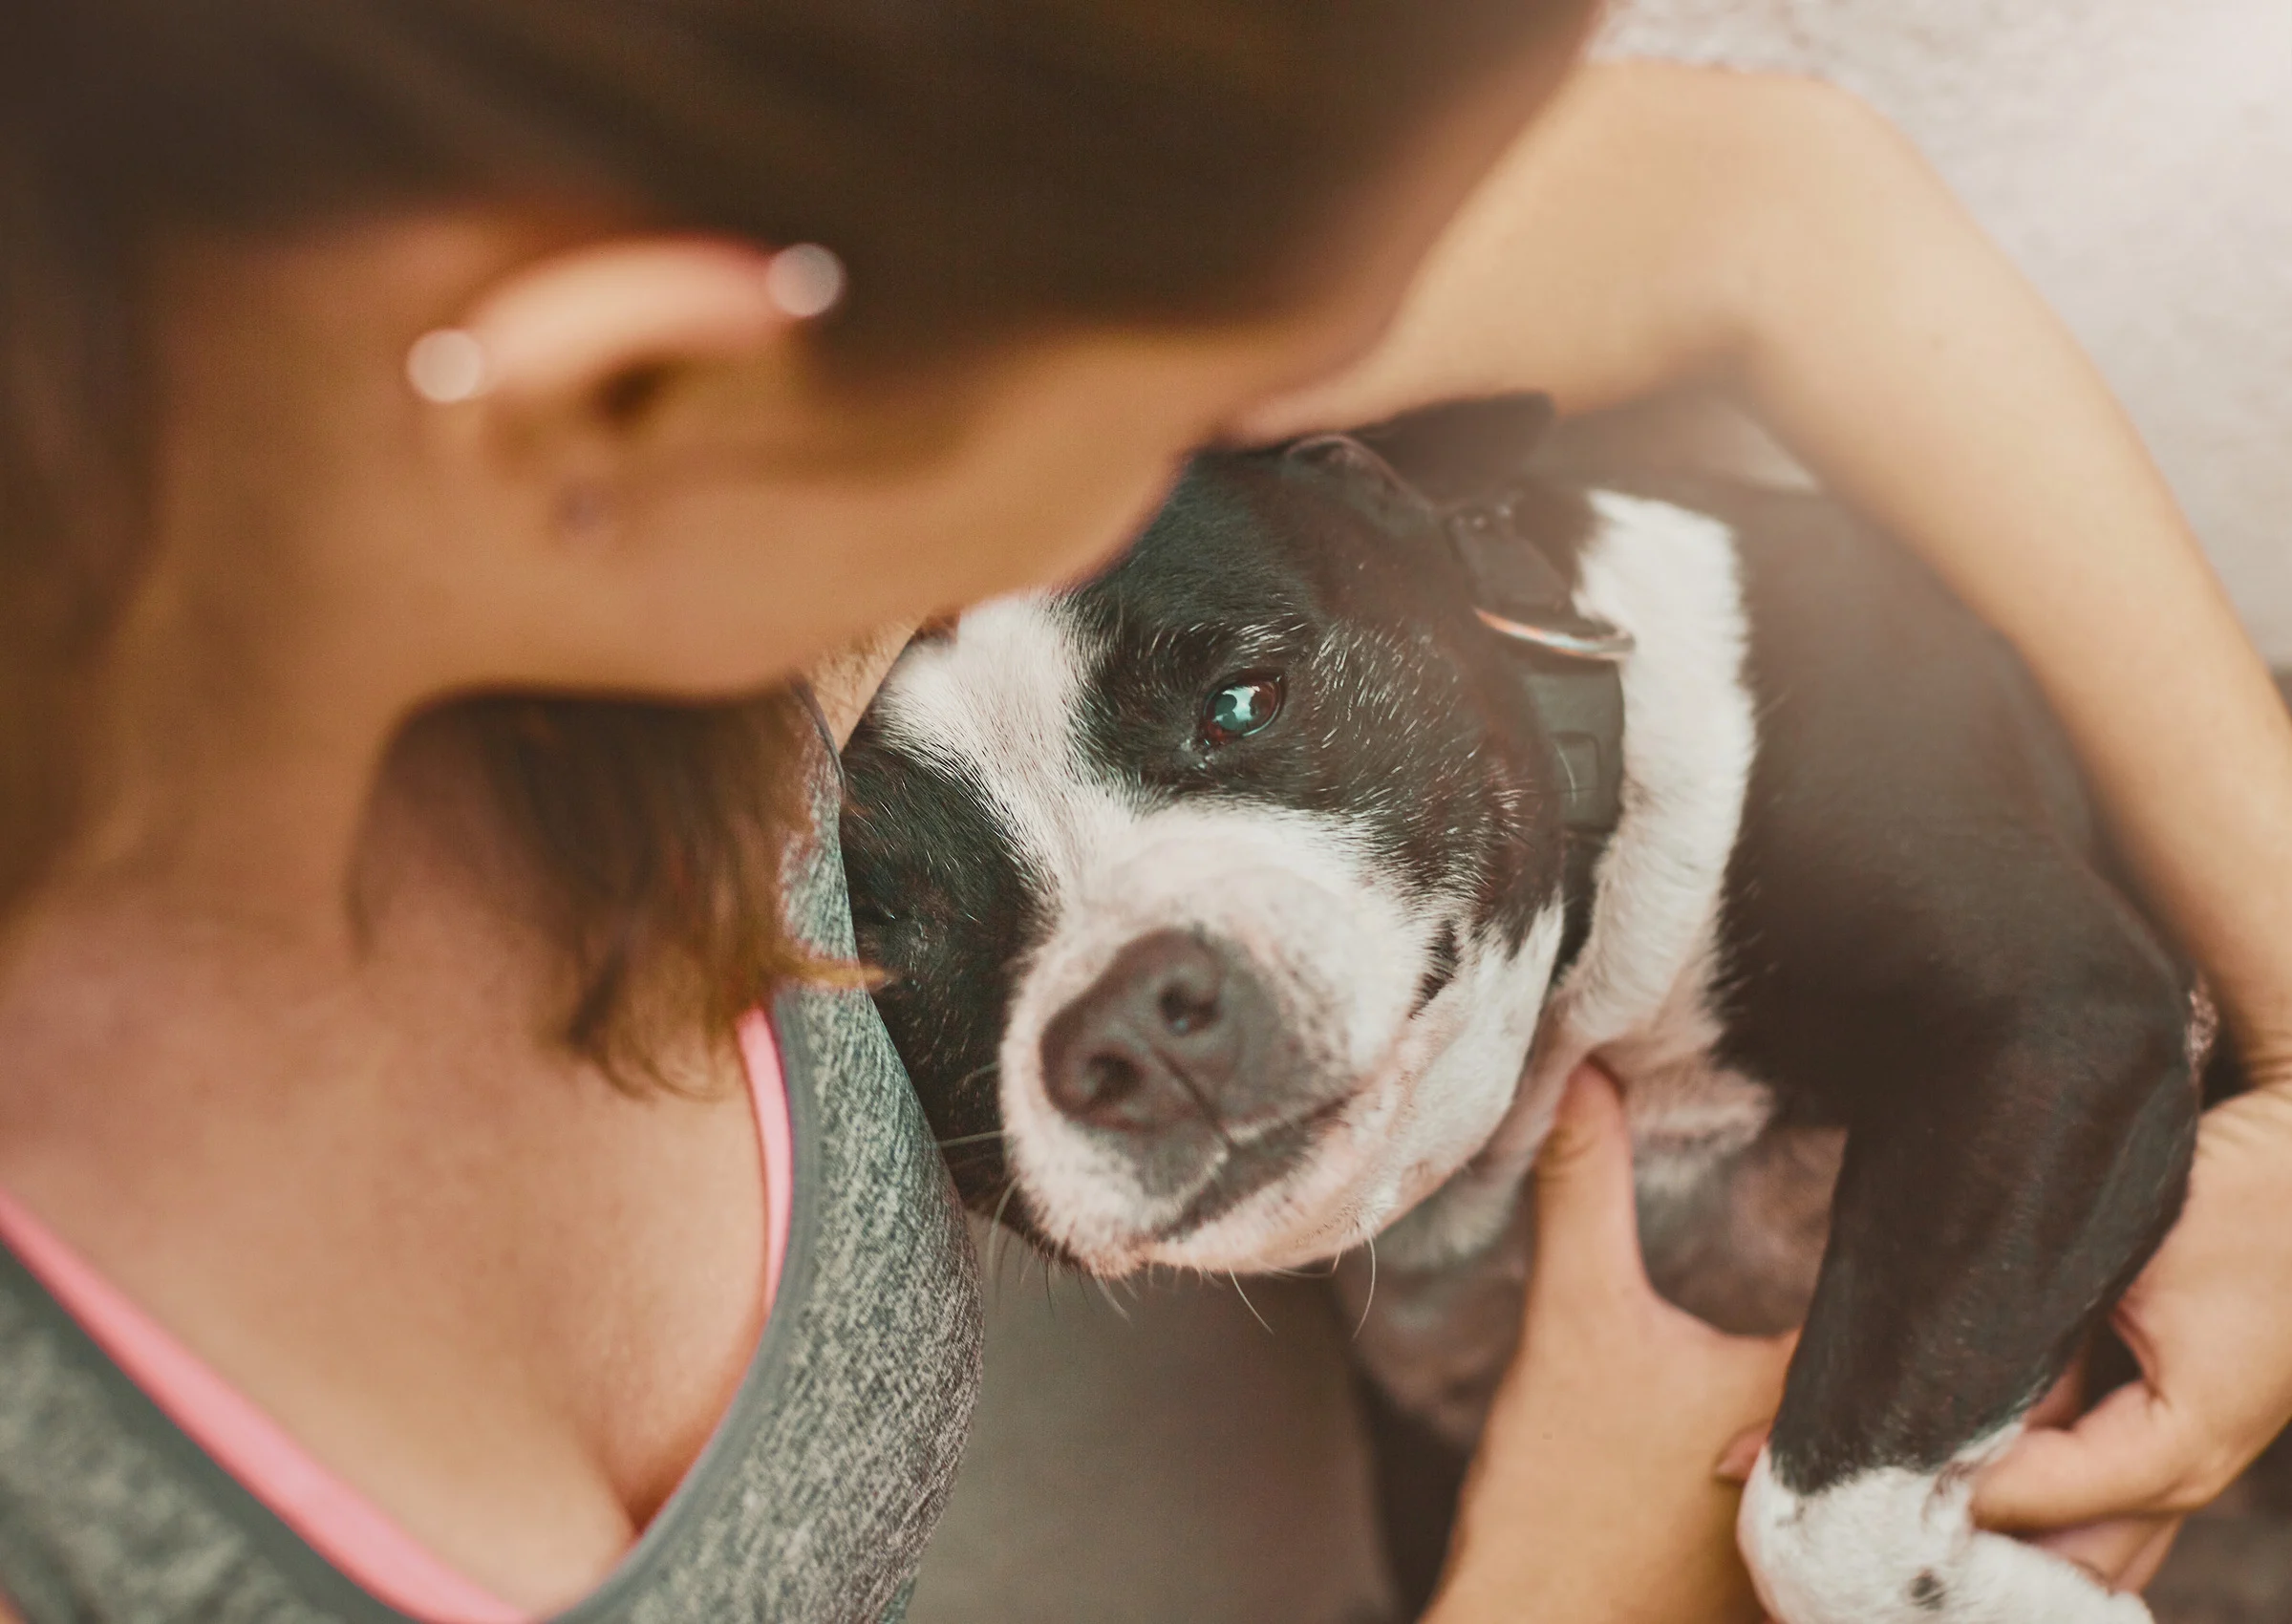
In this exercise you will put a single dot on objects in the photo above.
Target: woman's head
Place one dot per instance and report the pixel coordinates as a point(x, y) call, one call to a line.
point(1077, 234)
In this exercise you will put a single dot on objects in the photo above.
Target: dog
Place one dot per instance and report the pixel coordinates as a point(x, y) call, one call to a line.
point(1246, 907)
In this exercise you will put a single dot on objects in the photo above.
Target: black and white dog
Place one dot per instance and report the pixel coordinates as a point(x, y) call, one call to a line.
point(1254, 901)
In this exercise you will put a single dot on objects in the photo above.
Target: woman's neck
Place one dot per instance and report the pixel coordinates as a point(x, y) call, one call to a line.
point(227, 794)
point(211, 941)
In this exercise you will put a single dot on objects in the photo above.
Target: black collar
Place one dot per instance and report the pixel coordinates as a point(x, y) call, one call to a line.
point(1569, 663)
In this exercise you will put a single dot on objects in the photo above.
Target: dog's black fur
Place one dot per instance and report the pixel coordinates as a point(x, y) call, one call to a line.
point(1922, 939)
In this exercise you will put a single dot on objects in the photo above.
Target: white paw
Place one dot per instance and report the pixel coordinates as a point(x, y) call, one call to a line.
point(1899, 1547)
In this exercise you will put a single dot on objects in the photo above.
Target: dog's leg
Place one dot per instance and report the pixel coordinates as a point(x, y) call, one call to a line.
point(1986, 1217)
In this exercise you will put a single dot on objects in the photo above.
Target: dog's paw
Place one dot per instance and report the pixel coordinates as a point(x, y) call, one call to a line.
point(1899, 1547)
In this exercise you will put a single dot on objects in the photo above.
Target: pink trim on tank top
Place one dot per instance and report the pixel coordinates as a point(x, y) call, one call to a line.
point(332, 1517)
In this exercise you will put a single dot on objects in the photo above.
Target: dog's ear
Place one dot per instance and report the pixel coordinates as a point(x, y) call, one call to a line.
point(1463, 451)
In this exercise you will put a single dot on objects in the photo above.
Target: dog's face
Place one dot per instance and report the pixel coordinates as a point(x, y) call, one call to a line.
point(1217, 898)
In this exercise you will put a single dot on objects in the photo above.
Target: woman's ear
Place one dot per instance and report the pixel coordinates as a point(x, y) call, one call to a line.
point(561, 352)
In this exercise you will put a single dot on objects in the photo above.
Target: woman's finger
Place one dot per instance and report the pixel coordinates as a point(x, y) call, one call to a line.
point(1587, 1226)
point(2127, 1454)
point(2065, 1401)
point(2116, 1552)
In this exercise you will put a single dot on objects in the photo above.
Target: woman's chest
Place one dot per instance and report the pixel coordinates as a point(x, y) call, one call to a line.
point(502, 1301)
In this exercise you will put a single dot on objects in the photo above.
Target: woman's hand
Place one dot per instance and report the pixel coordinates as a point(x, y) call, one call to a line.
point(1596, 1494)
point(2211, 1323)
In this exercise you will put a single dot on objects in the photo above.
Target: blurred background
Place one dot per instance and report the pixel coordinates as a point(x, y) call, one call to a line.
point(2135, 158)
point(1179, 1456)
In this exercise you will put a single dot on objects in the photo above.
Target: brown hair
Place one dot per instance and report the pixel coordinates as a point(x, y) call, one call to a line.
point(982, 166)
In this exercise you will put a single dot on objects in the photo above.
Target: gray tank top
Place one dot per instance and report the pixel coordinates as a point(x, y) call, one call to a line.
point(811, 1502)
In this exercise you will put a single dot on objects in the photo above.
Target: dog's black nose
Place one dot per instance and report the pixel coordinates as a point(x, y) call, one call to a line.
point(1164, 1036)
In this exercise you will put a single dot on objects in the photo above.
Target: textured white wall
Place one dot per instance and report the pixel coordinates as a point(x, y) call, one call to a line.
point(2135, 158)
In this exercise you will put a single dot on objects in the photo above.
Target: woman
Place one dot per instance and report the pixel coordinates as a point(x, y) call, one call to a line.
point(418, 433)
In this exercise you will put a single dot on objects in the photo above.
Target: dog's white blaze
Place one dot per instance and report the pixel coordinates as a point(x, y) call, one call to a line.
point(996, 703)
point(1893, 1545)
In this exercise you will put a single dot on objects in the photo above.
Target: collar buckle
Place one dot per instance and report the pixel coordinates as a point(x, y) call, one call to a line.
point(1518, 593)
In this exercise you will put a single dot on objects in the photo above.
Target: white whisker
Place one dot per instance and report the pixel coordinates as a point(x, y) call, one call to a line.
point(1247, 1303)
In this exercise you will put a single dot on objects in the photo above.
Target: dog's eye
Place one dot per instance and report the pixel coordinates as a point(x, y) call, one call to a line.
point(1241, 707)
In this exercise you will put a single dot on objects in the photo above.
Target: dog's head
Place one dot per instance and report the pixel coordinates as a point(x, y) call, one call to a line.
point(1217, 898)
